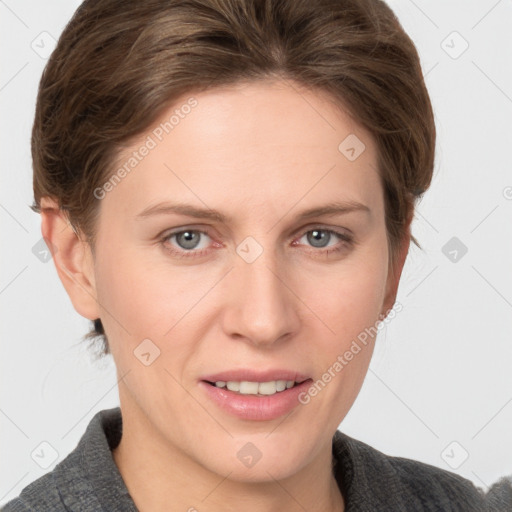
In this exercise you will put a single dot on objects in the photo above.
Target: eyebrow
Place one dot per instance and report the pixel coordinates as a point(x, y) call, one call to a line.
point(329, 209)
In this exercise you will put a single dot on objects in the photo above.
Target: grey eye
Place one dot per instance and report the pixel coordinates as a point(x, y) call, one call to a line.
point(188, 239)
point(319, 237)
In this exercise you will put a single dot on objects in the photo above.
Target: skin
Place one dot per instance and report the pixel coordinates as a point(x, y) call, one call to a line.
point(260, 152)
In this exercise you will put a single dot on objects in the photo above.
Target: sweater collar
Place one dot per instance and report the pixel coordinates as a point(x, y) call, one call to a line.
point(92, 463)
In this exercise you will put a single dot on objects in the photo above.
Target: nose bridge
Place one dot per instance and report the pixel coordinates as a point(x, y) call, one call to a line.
point(263, 308)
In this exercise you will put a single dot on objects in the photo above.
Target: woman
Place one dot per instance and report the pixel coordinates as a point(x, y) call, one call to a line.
point(227, 188)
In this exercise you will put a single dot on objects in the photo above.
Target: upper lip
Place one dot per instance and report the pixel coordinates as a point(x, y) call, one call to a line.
point(247, 374)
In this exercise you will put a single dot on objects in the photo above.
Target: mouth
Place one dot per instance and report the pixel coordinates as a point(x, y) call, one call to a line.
point(256, 400)
point(254, 388)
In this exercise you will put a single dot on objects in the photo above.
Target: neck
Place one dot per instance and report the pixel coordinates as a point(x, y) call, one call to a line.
point(159, 476)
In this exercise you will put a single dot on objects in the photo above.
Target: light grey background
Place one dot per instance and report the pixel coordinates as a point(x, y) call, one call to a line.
point(439, 387)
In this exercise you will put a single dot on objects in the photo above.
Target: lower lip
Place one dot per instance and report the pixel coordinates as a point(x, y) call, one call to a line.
point(256, 408)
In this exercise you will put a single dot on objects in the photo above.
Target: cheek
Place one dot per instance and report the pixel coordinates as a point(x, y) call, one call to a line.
point(146, 297)
point(137, 299)
point(347, 298)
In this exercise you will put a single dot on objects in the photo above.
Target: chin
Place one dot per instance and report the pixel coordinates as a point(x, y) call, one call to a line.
point(265, 464)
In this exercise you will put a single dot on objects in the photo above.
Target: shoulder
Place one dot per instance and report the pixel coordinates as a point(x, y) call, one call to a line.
point(447, 489)
point(41, 494)
point(451, 490)
point(86, 479)
point(499, 496)
point(384, 482)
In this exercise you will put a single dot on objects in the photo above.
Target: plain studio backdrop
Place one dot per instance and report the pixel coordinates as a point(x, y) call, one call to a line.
point(439, 387)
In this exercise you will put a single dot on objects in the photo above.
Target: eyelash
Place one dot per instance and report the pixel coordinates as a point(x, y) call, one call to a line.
point(197, 253)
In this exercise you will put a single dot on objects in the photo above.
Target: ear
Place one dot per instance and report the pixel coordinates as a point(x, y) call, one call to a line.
point(72, 257)
point(395, 272)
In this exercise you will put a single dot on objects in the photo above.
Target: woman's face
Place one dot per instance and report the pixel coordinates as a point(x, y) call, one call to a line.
point(263, 289)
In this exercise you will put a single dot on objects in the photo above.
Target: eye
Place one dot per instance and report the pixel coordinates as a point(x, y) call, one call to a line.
point(188, 242)
point(319, 238)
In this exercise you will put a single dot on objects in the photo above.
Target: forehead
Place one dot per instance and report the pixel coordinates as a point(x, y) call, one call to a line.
point(260, 144)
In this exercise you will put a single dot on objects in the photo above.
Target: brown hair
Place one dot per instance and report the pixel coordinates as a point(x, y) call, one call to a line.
point(119, 63)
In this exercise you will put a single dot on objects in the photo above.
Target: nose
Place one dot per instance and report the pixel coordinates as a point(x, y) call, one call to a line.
point(261, 307)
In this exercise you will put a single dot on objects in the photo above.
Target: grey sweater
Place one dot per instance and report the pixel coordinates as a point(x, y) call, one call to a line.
point(88, 480)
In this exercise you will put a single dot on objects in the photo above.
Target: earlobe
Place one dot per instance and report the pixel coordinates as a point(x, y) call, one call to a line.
point(72, 258)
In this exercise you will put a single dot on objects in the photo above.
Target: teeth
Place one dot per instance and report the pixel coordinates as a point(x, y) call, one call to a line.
point(281, 385)
point(233, 386)
point(256, 388)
